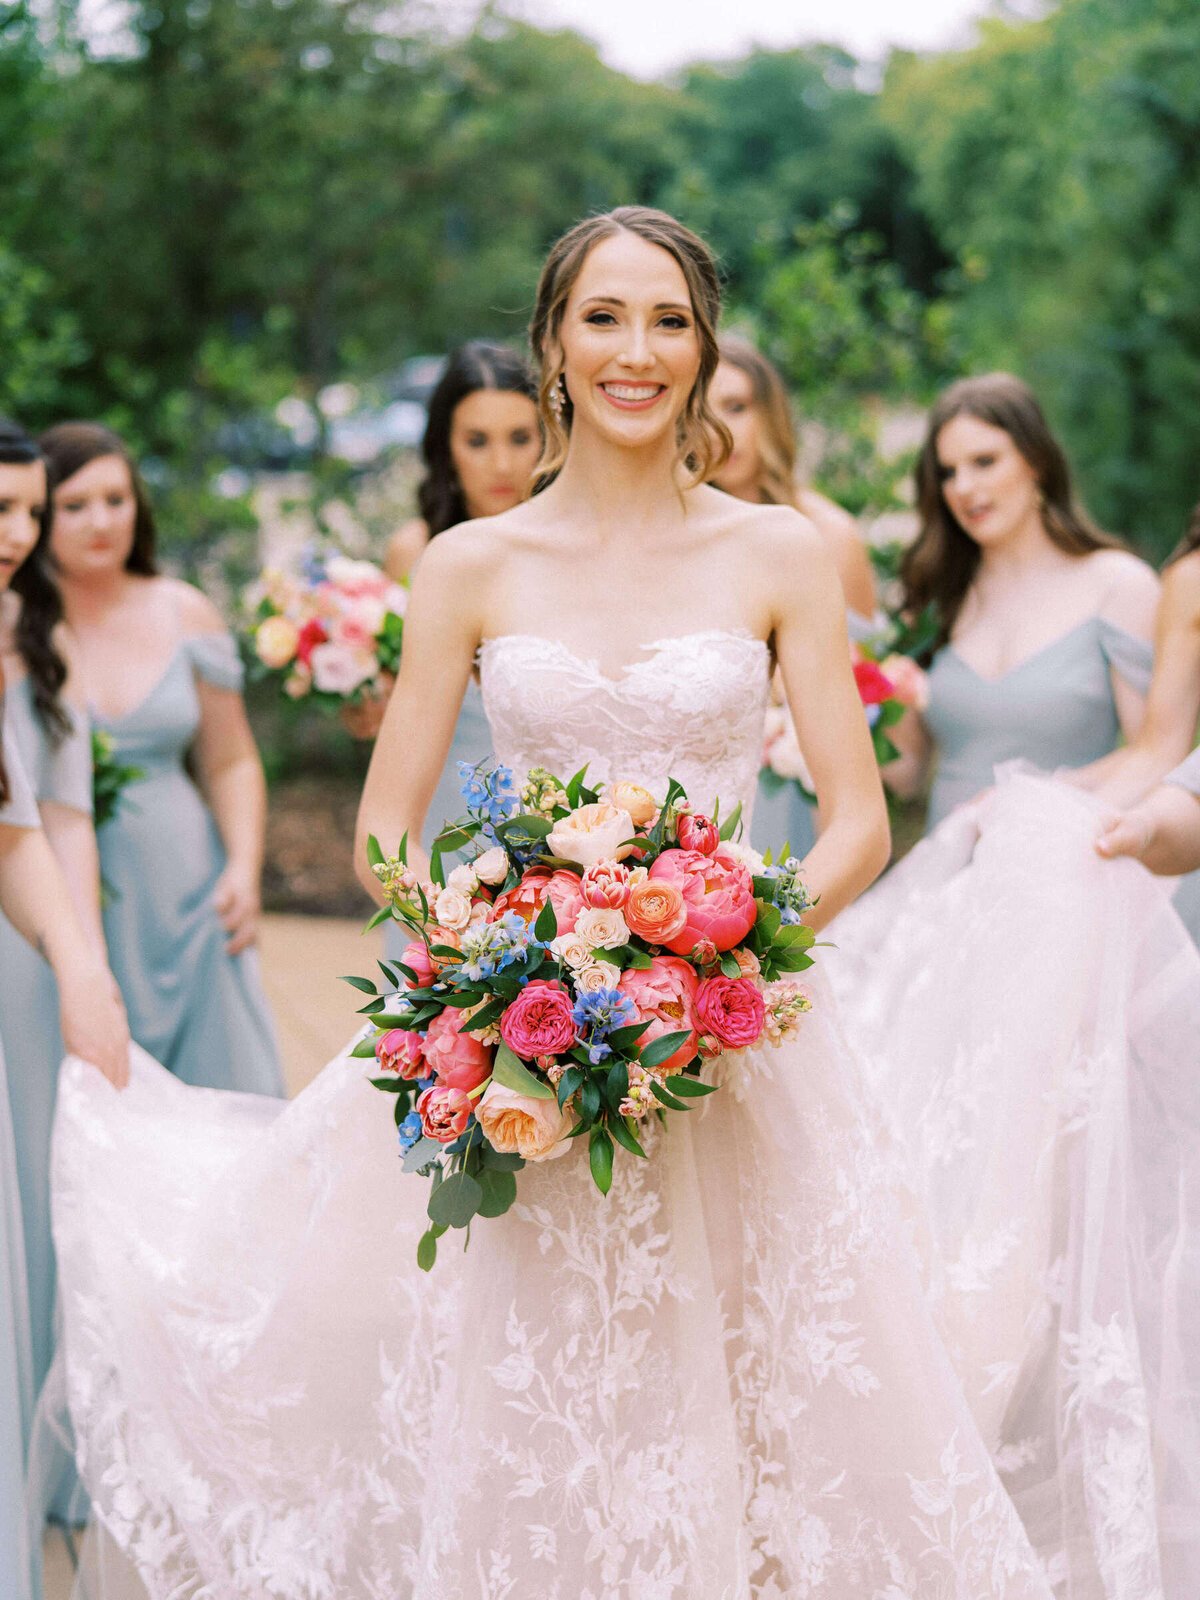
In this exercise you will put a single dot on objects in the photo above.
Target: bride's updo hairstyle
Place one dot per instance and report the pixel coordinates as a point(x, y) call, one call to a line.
point(704, 441)
point(940, 565)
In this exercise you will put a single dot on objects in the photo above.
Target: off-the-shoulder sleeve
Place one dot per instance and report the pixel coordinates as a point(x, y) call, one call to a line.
point(1128, 655)
point(1187, 774)
point(20, 809)
point(214, 657)
point(66, 767)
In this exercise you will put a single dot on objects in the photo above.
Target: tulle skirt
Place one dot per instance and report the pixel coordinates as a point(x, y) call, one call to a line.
point(721, 1381)
point(1028, 1016)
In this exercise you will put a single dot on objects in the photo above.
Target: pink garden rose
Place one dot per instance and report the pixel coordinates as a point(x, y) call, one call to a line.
point(605, 886)
point(664, 994)
point(518, 1124)
point(456, 1059)
point(401, 1052)
point(910, 683)
point(537, 886)
point(337, 669)
point(696, 832)
point(444, 1113)
point(732, 1010)
point(539, 1021)
point(718, 892)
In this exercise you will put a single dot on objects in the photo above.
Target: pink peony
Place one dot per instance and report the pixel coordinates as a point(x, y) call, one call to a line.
point(908, 680)
point(605, 886)
point(337, 669)
point(539, 1021)
point(697, 833)
point(456, 1059)
point(444, 1113)
point(520, 1125)
point(718, 892)
point(400, 1051)
point(664, 994)
point(538, 885)
point(732, 1010)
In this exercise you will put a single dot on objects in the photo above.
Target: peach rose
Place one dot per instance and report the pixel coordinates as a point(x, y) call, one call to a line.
point(640, 804)
point(592, 833)
point(656, 911)
point(275, 641)
point(603, 928)
point(573, 949)
point(595, 975)
point(464, 878)
point(518, 1124)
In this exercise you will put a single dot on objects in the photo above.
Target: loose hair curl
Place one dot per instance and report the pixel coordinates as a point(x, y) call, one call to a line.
point(704, 441)
point(940, 565)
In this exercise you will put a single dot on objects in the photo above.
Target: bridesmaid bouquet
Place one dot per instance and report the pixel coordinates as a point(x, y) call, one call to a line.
point(887, 689)
point(331, 631)
point(571, 980)
point(110, 778)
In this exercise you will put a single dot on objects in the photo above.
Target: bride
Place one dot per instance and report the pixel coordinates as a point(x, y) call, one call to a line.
point(719, 1382)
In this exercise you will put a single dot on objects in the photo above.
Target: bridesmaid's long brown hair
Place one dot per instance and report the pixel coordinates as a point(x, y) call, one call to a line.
point(939, 567)
point(777, 440)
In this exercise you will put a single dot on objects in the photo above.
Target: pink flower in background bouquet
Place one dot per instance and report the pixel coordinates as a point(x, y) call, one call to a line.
point(332, 630)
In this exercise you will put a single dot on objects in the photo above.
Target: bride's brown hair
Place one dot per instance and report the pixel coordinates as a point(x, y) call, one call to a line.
point(704, 441)
point(939, 567)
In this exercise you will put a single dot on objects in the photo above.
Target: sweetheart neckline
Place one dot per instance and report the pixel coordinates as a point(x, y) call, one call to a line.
point(656, 647)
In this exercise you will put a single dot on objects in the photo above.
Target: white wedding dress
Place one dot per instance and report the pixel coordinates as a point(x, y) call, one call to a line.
point(1028, 1017)
point(720, 1382)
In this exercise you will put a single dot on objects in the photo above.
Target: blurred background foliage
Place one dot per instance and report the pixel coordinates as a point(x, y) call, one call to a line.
point(208, 207)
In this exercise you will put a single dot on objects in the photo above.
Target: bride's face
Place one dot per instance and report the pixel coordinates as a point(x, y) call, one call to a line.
point(631, 352)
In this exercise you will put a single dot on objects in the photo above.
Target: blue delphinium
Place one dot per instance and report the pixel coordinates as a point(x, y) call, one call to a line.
point(410, 1132)
point(596, 1015)
point(788, 890)
point(490, 947)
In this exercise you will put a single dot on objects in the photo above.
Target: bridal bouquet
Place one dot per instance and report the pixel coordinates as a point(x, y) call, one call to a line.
point(571, 980)
point(887, 689)
point(330, 631)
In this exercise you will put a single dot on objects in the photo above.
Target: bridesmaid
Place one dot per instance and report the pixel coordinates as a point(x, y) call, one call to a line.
point(37, 905)
point(749, 397)
point(1044, 622)
point(481, 444)
point(183, 858)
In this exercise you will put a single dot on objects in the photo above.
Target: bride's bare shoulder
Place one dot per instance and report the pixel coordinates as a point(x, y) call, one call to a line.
point(774, 539)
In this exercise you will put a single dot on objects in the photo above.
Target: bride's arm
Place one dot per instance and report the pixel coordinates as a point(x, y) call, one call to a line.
point(441, 636)
point(810, 641)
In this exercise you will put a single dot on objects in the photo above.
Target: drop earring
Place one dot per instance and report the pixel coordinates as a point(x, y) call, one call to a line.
point(558, 395)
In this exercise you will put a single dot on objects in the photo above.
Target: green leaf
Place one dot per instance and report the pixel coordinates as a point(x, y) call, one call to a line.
point(662, 1048)
point(575, 785)
point(363, 984)
point(374, 854)
point(365, 1048)
point(455, 1200)
point(527, 825)
point(512, 1072)
point(391, 1084)
point(382, 915)
point(589, 1099)
point(729, 826)
point(377, 1004)
point(600, 1156)
point(395, 1019)
point(567, 1085)
point(659, 1093)
point(639, 960)
point(730, 967)
point(616, 1085)
point(402, 853)
point(622, 1133)
point(456, 837)
point(771, 782)
point(421, 1154)
point(485, 1016)
point(427, 1250)
point(796, 933)
point(546, 926)
point(793, 961)
point(622, 1038)
point(436, 871)
point(499, 1190)
point(768, 921)
point(690, 1088)
point(501, 1160)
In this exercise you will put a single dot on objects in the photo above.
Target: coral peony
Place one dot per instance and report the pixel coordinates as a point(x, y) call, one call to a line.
point(456, 1059)
point(538, 885)
point(718, 892)
point(664, 994)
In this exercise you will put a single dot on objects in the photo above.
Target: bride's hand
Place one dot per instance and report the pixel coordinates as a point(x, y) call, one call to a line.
point(93, 1022)
point(1124, 833)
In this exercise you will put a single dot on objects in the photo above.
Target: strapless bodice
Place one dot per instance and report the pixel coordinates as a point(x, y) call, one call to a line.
point(692, 709)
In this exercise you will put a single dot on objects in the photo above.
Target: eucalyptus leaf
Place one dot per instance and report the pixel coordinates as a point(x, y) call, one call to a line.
point(730, 967)
point(421, 1154)
point(427, 1250)
point(512, 1072)
point(501, 1160)
point(455, 1200)
point(499, 1190)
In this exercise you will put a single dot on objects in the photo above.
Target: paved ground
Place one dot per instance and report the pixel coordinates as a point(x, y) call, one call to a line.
point(302, 957)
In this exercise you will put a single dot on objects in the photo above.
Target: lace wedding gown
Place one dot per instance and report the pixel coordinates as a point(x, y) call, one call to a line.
point(718, 1382)
point(1028, 1017)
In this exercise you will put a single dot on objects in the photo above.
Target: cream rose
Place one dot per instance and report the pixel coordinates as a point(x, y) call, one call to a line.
point(276, 640)
point(465, 879)
point(638, 802)
point(573, 949)
point(602, 928)
point(750, 858)
point(492, 865)
point(598, 832)
point(452, 908)
point(597, 975)
point(518, 1124)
